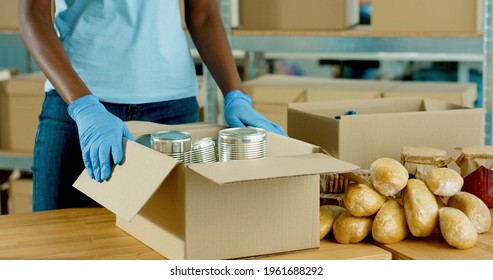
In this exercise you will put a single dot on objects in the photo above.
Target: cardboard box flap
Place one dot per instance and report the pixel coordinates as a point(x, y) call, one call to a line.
point(271, 167)
point(132, 183)
point(439, 105)
point(364, 106)
point(275, 95)
point(399, 105)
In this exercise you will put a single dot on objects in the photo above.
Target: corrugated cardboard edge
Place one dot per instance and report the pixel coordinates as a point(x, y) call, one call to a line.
point(115, 193)
point(270, 168)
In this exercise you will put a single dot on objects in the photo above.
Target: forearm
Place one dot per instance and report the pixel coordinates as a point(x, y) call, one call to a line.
point(38, 34)
point(208, 34)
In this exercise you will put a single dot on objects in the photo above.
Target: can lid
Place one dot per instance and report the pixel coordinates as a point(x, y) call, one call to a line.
point(171, 141)
point(242, 135)
point(170, 135)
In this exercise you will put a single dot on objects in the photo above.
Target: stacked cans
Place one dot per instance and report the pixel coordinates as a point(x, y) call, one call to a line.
point(204, 150)
point(177, 144)
point(241, 143)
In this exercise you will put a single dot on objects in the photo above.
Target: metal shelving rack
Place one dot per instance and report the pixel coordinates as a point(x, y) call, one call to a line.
point(256, 43)
point(488, 69)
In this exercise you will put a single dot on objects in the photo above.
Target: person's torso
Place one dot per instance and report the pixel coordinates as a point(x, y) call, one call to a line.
point(127, 51)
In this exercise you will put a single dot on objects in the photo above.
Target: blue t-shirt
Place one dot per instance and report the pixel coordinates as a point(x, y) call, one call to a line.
point(127, 51)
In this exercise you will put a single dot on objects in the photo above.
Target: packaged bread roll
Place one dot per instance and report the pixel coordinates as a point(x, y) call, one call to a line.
point(389, 225)
point(328, 214)
point(362, 200)
point(474, 208)
point(443, 181)
point(388, 176)
point(420, 208)
point(349, 229)
point(457, 230)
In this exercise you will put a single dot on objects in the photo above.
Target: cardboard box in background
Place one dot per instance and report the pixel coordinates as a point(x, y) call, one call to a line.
point(383, 126)
point(20, 196)
point(220, 210)
point(7, 74)
point(9, 19)
point(271, 93)
point(298, 15)
point(344, 89)
point(427, 16)
point(21, 99)
point(8, 15)
point(464, 94)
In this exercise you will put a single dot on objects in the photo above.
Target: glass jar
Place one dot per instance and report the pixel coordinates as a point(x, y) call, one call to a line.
point(476, 164)
point(417, 160)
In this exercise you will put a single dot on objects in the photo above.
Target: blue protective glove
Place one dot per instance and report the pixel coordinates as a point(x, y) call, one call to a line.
point(238, 112)
point(101, 136)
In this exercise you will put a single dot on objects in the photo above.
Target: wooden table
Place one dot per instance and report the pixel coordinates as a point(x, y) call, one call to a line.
point(82, 234)
point(331, 250)
point(435, 248)
point(91, 234)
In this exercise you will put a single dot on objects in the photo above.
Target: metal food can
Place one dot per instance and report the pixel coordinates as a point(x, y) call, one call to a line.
point(177, 144)
point(241, 143)
point(204, 151)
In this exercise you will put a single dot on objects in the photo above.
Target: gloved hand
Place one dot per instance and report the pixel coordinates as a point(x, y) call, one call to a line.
point(238, 112)
point(100, 134)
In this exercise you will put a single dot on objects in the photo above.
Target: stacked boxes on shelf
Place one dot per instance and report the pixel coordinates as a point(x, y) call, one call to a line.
point(8, 15)
point(298, 15)
point(425, 16)
point(21, 99)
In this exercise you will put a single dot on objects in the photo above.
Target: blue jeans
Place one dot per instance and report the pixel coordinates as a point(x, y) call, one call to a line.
point(57, 154)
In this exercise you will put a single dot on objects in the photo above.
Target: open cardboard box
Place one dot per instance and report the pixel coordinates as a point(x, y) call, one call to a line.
point(221, 210)
point(464, 94)
point(383, 126)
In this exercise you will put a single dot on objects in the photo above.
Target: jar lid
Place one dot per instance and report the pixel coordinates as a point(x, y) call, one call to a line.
point(242, 135)
point(478, 151)
point(425, 155)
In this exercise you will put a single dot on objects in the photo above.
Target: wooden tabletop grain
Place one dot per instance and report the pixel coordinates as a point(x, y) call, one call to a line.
point(435, 248)
point(91, 234)
point(81, 234)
